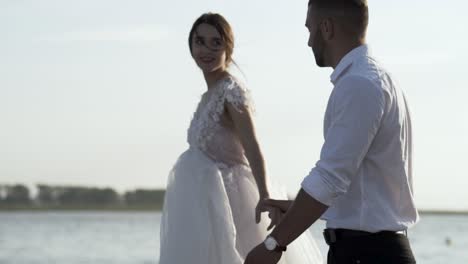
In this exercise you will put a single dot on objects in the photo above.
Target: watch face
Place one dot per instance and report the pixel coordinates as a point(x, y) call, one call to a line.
point(270, 243)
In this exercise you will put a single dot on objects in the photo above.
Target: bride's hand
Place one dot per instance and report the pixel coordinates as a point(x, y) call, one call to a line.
point(264, 195)
point(282, 205)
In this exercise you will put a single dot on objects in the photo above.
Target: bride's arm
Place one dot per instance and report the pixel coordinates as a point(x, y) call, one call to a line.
point(245, 128)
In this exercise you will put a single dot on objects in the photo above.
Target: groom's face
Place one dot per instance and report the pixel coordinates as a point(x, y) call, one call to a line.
point(316, 40)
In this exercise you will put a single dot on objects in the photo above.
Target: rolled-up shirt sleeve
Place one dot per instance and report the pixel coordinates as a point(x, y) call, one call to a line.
point(356, 108)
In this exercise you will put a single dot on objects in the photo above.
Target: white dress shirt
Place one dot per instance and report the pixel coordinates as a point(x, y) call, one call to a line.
point(364, 173)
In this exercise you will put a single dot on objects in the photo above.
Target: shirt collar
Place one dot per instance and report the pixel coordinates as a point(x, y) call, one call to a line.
point(347, 60)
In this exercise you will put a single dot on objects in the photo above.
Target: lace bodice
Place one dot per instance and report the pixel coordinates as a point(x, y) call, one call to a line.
point(212, 131)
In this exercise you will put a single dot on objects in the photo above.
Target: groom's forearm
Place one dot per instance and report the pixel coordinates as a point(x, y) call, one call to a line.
point(301, 215)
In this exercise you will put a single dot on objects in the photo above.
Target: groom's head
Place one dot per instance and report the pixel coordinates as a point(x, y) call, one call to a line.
point(333, 26)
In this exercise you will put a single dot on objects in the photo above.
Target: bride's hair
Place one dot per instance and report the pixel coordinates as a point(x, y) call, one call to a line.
point(223, 28)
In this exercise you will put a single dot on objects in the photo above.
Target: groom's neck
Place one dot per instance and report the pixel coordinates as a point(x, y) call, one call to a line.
point(342, 49)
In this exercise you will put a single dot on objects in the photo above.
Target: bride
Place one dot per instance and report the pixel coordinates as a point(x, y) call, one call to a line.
point(210, 213)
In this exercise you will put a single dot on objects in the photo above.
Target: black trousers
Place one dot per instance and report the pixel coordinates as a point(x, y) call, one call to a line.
point(379, 248)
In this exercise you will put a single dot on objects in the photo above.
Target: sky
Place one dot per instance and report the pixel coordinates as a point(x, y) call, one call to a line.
point(100, 93)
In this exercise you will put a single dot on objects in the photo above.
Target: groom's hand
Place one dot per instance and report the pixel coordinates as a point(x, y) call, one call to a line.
point(260, 255)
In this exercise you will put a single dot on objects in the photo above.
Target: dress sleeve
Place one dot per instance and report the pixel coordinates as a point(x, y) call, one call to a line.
point(237, 95)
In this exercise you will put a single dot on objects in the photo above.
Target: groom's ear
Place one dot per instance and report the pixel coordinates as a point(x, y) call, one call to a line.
point(328, 29)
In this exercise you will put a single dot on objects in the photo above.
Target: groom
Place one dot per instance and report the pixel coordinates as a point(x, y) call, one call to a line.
point(362, 184)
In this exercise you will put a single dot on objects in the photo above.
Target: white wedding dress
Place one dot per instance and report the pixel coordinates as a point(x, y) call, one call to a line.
point(209, 209)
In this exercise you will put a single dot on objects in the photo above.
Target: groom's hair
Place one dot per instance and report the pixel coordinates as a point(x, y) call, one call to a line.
point(353, 15)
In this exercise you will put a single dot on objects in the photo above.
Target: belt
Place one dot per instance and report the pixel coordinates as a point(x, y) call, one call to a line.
point(333, 235)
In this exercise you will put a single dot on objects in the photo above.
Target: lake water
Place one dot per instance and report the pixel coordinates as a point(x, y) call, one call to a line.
point(132, 237)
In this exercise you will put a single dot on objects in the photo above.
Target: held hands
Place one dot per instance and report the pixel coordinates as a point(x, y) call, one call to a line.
point(264, 195)
point(275, 208)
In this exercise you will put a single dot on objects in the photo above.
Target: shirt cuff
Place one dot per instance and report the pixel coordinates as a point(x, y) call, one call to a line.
point(315, 186)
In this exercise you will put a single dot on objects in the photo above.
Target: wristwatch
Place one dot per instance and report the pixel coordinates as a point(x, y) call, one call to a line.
point(272, 245)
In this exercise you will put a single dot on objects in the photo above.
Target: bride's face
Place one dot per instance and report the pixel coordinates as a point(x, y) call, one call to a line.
point(208, 48)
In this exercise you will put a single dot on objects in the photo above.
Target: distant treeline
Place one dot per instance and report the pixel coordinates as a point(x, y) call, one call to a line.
point(18, 196)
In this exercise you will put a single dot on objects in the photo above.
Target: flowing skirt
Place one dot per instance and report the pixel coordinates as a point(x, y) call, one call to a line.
point(209, 216)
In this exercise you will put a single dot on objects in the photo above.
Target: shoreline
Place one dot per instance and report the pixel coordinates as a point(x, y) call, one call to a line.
point(116, 208)
point(154, 208)
point(442, 212)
